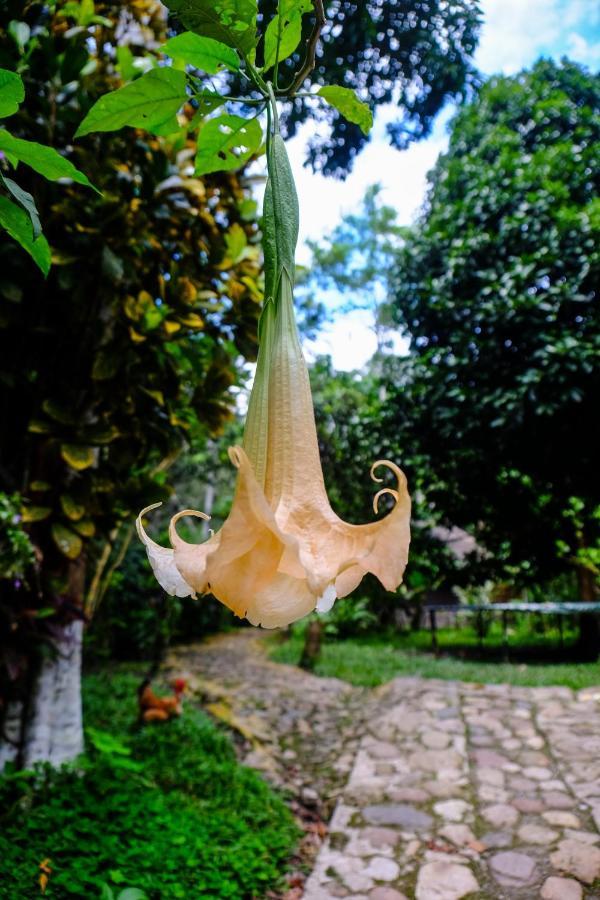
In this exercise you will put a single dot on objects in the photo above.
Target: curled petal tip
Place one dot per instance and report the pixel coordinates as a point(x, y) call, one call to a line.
point(173, 536)
point(327, 599)
point(380, 493)
point(138, 523)
point(392, 467)
point(147, 509)
point(162, 561)
point(235, 456)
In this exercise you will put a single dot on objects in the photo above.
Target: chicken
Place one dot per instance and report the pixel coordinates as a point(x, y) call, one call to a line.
point(159, 709)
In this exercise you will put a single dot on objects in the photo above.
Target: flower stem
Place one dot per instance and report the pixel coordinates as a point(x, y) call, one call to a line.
point(273, 103)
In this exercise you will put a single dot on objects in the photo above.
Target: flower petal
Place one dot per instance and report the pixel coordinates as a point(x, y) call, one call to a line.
point(332, 550)
point(256, 571)
point(162, 561)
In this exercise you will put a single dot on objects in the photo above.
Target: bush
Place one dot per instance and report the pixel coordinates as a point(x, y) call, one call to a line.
point(136, 614)
point(165, 809)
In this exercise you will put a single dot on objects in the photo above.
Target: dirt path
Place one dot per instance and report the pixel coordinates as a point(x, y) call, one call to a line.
point(438, 790)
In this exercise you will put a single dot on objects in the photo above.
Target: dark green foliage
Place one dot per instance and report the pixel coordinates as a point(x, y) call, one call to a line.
point(497, 287)
point(16, 551)
point(413, 52)
point(166, 809)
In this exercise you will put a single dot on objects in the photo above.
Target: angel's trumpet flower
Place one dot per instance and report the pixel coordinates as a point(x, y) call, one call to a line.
point(283, 552)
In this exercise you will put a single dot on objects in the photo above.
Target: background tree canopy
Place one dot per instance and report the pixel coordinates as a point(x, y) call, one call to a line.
point(497, 289)
point(413, 53)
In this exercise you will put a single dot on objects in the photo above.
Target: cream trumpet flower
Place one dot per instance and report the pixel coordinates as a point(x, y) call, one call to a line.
point(283, 551)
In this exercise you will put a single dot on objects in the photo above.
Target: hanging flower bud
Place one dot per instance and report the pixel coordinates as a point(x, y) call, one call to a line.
point(282, 551)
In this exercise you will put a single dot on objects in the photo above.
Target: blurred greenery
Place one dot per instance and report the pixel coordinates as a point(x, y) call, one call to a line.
point(356, 261)
point(496, 287)
point(166, 809)
point(376, 658)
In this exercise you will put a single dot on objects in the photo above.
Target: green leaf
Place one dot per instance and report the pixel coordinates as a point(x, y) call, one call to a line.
point(117, 876)
point(232, 22)
point(18, 224)
point(106, 742)
point(207, 101)
point(226, 143)
point(40, 486)
point(85, 527)
point(69, 543)
point(45, 160)
point(35, 513)
point(76, 456)
point(284, 31)
point(125, 63)
point(132, 894)
point(59, 413)
point(12, 92)
point(150, 102)
point(84, 14)
point(347, 103)
point(25, 200)
point(202, 52)
point(71, 508)
point(236, 243)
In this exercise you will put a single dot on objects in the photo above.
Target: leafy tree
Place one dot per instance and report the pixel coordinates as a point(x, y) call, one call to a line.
point(357, 261)
point(413, 53)
point(125, 353)
point(497, 287)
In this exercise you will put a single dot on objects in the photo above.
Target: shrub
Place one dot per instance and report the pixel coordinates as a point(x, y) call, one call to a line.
point(167, 810)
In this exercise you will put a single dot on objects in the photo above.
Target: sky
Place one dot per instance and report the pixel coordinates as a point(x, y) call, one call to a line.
point(515, 34)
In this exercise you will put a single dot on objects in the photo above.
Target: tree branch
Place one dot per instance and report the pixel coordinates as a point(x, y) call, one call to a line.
point(311, 49)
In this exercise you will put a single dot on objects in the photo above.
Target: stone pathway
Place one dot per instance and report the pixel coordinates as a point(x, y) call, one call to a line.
point(301, 731)
point(440, 790)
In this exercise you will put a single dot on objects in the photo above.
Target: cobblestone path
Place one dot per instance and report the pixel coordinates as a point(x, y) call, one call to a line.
point(438, 790)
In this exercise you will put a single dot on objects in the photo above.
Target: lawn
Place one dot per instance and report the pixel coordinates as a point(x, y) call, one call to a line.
point(166, 809)
point(375, 659)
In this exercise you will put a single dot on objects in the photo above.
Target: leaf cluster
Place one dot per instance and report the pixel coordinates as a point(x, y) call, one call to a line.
point(128, 350)
point(165, 810)
point(18, 213)
point(222, 36)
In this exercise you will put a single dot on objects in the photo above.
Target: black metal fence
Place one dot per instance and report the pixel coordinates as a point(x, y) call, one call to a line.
point(555, 609)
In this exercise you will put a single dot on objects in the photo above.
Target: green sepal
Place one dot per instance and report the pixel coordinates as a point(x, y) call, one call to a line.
point(281, 218)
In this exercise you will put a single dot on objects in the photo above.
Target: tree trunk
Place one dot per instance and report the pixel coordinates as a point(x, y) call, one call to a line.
point(312, 644)
point(48, 727)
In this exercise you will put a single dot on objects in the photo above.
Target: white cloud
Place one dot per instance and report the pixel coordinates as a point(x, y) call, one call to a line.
point(323, 201)
point(587, 52)
point(350, 341)
point(516, 32)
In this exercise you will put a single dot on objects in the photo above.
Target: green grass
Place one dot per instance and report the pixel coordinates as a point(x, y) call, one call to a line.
point(166, 809)
point(373, 660)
